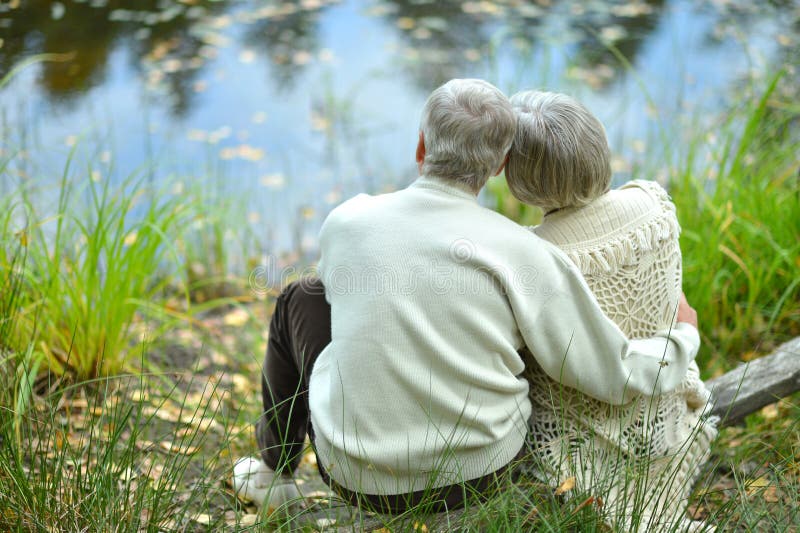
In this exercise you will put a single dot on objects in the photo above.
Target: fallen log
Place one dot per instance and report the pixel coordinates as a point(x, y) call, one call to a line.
point(753, 385)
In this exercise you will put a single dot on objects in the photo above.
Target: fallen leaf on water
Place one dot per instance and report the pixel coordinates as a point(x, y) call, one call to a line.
point(273, 181)
point(612, 34)
point(406, 23)
point(566, 486)
point(422, 33)
point(302, 57)
point(472, 54)
point(247, 56)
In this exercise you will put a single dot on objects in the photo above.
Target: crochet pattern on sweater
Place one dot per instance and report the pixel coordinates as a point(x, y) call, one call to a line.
point(640, 458)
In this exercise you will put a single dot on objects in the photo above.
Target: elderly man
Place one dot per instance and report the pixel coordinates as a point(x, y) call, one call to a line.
point(410, 385)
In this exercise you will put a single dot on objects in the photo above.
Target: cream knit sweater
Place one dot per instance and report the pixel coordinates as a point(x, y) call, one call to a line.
point(626, 244)
point(432, 296)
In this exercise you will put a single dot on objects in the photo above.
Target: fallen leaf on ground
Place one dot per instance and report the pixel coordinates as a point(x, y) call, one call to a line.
point(248, 520)
point(177, 448)
point(770, 495)
point(202, 518)
point(758, 483)
point(770, 412)
point(237, 317)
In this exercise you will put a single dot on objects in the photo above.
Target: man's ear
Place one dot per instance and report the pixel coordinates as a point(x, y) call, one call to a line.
point(420, 150)
point(502, 166)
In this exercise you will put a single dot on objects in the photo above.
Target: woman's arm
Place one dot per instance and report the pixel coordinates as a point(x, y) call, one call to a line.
point(576, 344)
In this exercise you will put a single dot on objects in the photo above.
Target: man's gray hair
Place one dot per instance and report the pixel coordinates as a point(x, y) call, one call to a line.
point(560, 156)
point(468, 127)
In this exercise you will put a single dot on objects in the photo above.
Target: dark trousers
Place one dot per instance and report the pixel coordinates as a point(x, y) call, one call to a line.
point(299, 330)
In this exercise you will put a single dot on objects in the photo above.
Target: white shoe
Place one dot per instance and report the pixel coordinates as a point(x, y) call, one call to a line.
point(256, 482)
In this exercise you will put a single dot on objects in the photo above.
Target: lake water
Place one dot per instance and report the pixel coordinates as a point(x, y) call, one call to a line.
point(282, 109)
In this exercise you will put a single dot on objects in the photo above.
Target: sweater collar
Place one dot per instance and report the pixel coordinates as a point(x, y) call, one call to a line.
point(446, 186)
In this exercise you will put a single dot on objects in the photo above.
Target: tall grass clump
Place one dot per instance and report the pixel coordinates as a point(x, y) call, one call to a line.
point(116, 466)
point(740, 213)
point(92, 267)
point(218, 245)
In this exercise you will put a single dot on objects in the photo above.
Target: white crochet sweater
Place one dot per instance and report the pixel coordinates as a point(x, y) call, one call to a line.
point(626, 245)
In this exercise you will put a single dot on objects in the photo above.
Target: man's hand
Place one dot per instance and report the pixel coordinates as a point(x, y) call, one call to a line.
point(686, 313)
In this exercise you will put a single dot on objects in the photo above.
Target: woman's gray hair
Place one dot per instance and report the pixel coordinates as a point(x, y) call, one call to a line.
point(560, 156)
point(468, 127)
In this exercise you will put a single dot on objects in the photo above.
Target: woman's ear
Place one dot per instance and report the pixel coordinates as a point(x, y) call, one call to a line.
point(420, 151)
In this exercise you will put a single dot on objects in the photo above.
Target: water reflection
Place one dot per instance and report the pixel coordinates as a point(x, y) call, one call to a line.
point(440, 39)
point(169, 43)
point(623, 29)
point(289, 33)
point(149, 30)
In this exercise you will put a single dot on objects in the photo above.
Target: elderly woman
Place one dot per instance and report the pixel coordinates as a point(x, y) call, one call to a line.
point(641, 457)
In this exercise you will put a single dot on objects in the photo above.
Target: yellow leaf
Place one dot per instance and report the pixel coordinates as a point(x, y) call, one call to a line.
point(757, 485)
point(420, 527)
point(176, 448)
point(202, 518)
point(566, 486)
point(770, 412)
point(309, 458)
point(23, 238)
point(238, 317)
point(248, 520)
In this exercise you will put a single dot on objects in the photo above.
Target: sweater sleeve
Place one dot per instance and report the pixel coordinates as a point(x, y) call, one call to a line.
point(576, 344)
